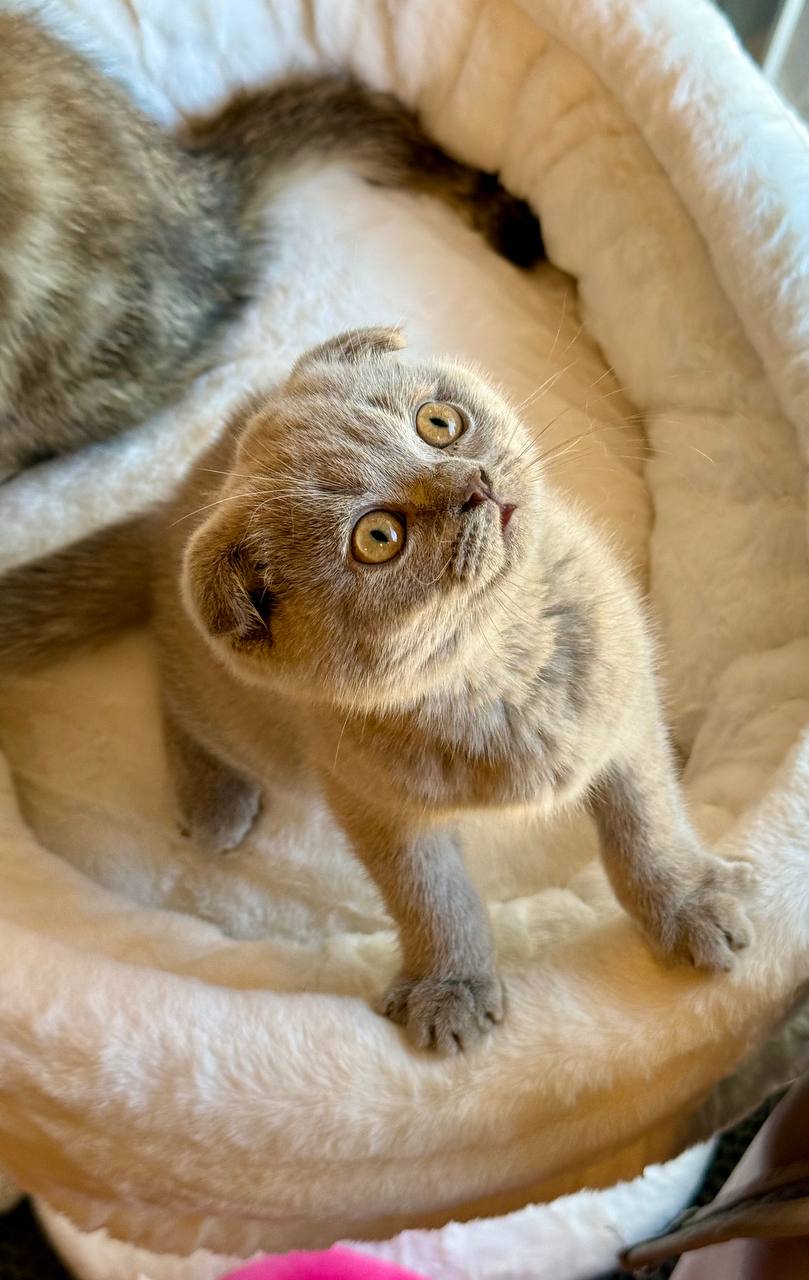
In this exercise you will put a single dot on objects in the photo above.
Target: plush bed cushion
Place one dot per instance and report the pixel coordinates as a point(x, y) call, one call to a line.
point(188, 1047)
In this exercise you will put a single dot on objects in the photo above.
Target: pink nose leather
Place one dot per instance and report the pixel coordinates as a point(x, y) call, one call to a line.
point(477, 492)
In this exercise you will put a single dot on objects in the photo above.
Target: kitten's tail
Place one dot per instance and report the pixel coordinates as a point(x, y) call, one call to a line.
point(75, 597)
point(260, 134)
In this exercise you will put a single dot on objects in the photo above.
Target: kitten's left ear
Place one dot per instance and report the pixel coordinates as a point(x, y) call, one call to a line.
point(228, 591)
point(352, 345)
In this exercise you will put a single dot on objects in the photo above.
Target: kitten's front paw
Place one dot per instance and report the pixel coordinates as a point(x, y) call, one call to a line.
point(707, 923)
point(220, 828)
point(445, 1014)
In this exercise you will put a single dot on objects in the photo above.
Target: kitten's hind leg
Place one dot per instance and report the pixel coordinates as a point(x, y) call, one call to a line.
point(218, 804)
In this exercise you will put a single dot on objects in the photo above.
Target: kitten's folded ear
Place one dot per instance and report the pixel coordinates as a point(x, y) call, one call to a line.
point(353, 345)
point(225, 586)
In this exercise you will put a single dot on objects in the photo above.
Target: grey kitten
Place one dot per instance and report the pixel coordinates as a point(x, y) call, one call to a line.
point(384, 577)
point(125, 251)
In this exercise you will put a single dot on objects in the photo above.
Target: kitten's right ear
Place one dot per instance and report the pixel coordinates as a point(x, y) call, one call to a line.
point(226, 588)
point(352, 345)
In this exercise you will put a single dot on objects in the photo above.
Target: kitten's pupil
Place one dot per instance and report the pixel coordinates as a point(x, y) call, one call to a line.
point(379, 535)
point(440, 422)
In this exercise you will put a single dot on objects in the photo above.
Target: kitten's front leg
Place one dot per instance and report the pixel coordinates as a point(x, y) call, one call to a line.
point(218, 805)
point(685, 898)
point(448, 994)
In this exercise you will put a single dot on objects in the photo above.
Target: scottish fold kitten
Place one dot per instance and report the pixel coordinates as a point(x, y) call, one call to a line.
point(369, 563)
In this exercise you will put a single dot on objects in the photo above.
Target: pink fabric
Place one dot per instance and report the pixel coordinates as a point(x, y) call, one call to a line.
point(331, 1264)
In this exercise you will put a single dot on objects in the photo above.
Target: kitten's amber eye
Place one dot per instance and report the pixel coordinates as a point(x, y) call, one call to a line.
point(439, 424)
point(377, 537)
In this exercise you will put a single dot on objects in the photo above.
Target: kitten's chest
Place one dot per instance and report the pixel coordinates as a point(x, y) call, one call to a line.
point(484, 753)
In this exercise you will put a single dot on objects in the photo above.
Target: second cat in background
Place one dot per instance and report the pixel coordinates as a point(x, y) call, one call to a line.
point(124, 250)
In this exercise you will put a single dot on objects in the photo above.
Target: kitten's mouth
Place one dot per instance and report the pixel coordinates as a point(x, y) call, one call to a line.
point(507, 510)
point(483, 540)
point(481, 495)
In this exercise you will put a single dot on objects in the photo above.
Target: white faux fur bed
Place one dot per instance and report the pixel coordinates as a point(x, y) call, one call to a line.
point(187, 1053)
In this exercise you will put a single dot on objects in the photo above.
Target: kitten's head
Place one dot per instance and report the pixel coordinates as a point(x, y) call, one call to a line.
point(373, 524)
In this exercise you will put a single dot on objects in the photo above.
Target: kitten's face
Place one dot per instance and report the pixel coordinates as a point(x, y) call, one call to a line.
point(385, 507)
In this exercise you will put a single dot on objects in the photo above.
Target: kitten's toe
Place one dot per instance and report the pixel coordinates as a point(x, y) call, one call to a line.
point(708, 924)
point(446, 1014)
point(715, 931)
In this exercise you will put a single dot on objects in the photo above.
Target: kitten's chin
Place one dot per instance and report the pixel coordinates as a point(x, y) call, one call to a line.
point(488, 548)
point(479, 548)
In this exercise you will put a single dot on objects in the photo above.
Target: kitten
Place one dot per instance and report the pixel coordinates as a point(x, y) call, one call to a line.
point(124, 251)
point(383, 576)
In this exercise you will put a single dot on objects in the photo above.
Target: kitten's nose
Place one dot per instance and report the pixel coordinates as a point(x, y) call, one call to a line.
point(478, 489)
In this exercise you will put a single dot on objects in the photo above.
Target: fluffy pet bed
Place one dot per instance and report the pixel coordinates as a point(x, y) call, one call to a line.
point(188, 1058)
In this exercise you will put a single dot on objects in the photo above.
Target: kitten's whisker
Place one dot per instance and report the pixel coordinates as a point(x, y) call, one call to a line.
point(230, 475)
point(562, 314)
point(608, 372)
point(617, 390)
point(645, 453)
point(574, 339)
point(551, 423)
point(340, 739)
point(516, 607)
point(260, 462)
point(255, 513)
point(582, 435)
point(432, 581)
point(231, 497)
point(547, 385)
